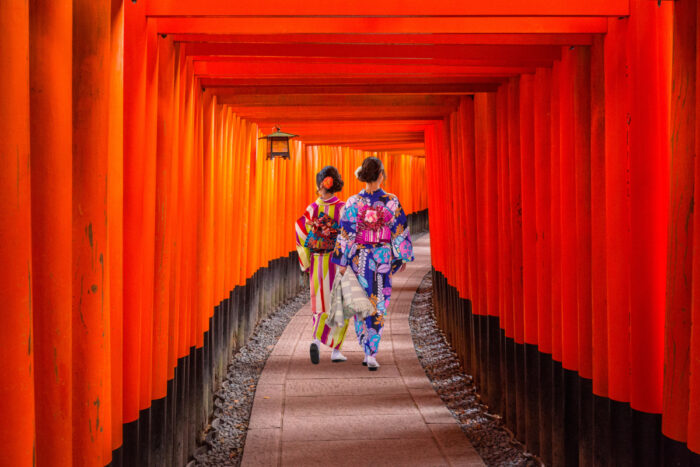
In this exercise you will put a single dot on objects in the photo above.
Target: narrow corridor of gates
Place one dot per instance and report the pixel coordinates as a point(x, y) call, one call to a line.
point(144, 233)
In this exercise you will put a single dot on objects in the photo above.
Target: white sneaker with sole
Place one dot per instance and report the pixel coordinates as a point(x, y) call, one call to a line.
point(372, 364)
point(337, 356)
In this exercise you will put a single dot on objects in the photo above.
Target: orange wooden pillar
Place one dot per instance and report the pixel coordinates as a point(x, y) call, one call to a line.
point(134, 150)
point(558, 456)
point(516, 220)
point(543, 267)
point(115, 203)
point(649, 186)
point(17, 435)
point(694, 351)
point(529, 242)
point(91, 317)
point(582, 168)
point(147, 238)
point(493, 334)
point(681, 224)
point(649, 149)
point(618, 242)
point(569, 302)
point(601, 403)
point(505, 254)
point(51, 162)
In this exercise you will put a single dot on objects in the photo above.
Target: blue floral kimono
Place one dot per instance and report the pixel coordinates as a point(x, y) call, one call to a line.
point(374, 241)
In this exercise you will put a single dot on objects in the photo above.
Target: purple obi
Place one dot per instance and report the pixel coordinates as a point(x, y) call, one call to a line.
point(373, 225)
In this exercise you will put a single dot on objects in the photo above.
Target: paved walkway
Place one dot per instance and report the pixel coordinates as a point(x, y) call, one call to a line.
point(342, 414)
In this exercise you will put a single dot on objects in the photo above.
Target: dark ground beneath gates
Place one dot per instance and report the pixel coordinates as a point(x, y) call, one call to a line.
point(488, 434)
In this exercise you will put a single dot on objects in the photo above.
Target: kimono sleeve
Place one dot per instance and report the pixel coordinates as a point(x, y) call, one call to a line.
point(302, 231)
point(345, 243)
point(401, 246)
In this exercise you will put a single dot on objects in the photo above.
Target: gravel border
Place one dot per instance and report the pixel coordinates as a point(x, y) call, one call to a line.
point(493, 441)
point(224, 438)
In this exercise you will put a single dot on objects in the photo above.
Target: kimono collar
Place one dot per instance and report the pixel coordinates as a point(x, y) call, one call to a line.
point(331, 200)
point(376, 194)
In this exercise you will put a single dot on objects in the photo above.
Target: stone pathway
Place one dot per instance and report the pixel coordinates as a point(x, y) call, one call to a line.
point(343, 414)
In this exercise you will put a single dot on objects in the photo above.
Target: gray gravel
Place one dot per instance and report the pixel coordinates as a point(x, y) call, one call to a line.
point(487, 432)
point(225, 435)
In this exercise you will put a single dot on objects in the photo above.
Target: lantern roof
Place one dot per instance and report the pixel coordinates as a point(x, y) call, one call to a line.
point(279, 134)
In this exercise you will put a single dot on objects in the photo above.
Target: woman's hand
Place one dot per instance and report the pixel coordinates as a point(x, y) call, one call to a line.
point(402, 268)
point(341, 270)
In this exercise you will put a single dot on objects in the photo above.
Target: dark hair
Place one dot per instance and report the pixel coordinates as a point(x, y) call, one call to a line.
point(330, 171)
point(370, 170)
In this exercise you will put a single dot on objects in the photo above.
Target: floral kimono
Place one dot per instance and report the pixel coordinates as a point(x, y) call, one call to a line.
point(374, 241)
point(316, 233)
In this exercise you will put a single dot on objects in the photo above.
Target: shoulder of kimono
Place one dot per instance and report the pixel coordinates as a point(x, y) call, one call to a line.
point(311, 209)
point(354, 199)
point(391, 196)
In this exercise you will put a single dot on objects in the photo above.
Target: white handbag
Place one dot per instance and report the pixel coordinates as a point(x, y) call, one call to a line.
point(355, 300)
point(336, 312)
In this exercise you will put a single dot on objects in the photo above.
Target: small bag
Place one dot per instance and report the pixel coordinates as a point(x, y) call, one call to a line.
point(355, 300)
point(336, 313)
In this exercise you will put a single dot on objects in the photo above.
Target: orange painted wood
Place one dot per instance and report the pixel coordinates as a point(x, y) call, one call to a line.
point(91, 312)
point(543, 203)
point(515, 202)
point(485, 54)
point(391, 8)
point(567, 180)
point(379, 38)
point(407, 25)
point(555, 214)
point(504, 222)
point(618, 242)
point(51, 171)
point(134, 148)
point(650, 68)
point(694, 383)
point(599, 302)
point(147, 237)
point(164, 212)
point(528, 204)
point(582, 168)
point(679, 276)
point(17, 433)
point(115, 205)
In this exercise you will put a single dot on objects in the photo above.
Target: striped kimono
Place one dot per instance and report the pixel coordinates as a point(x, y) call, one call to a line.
point(321, 270)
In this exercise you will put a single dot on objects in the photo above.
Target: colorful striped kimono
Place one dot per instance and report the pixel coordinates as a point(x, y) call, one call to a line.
point(374, 241)
point(315, 249)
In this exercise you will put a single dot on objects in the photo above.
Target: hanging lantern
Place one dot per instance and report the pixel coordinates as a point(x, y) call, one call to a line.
point(278, 144)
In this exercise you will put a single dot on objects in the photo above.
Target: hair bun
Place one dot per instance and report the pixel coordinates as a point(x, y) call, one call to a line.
point(329, 178)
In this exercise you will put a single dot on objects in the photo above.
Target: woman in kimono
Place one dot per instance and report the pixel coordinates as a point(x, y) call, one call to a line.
point(316, 233)
point(375, 242)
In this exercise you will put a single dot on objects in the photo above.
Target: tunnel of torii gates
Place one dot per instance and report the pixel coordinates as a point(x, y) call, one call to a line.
point(143, 232)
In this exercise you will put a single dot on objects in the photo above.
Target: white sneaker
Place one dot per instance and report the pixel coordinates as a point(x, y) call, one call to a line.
point(372, 364)
point(364, 361)
point(337, 356)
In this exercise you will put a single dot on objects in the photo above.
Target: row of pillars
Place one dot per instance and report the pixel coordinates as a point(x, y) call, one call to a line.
point(133, 204)
point(572, 234)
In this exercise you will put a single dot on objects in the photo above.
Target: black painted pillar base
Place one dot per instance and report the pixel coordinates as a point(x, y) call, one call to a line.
point(646, 433)
point(532, 397)
point(585, 421)
point(546, 407)
point(571, 418)
point(601, 432)
point(621, 445)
